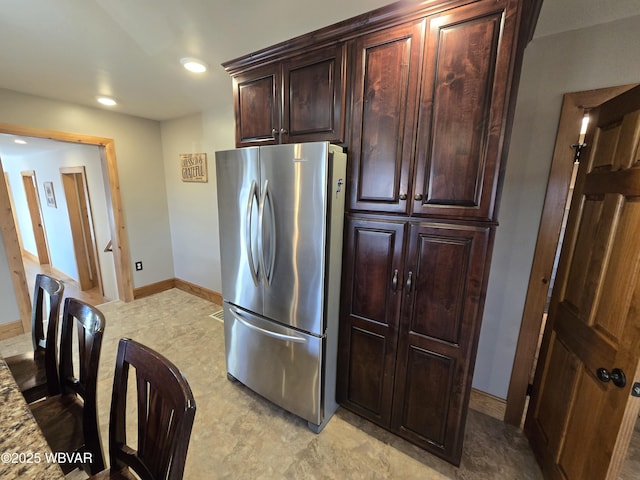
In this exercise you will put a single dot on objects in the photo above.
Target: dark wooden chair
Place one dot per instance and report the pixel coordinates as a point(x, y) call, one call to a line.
point(31, 369)
point(69, 420)
point(166, 409)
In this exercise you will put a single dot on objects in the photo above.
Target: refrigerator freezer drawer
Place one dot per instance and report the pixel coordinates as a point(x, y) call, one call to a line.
point(281, 364)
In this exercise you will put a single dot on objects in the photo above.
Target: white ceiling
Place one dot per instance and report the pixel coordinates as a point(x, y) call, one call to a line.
point(74, 50)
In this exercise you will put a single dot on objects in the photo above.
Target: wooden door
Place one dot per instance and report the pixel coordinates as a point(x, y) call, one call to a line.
point(581, 412)
point(314, 97)
point(383, 115)
point(462, 119)
point(257, 104)
point(33, 202)
point(81, 222)
point(444, 285)
point(371, 296)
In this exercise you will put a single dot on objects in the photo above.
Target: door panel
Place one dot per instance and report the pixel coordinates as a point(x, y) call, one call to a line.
point(371, 296)
point(256, 98)
point(296, 179)
point(425, 408)
point(35, 214)
point(314, 103)
point(291, 377)
point(443, 287)
point(383, 112)
point(238, 185)
point(464, 90)
point(593, 319)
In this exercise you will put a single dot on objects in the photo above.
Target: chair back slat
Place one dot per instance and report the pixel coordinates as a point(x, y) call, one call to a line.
point(166, 410)
point(51, 288)
point(47, 345)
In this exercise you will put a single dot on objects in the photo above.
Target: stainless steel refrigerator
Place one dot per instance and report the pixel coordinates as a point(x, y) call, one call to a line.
point(281, 211)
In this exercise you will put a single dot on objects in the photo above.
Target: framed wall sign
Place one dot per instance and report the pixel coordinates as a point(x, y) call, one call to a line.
point(193, 167)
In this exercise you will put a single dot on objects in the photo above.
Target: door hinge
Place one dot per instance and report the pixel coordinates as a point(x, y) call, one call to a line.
point(529, 390)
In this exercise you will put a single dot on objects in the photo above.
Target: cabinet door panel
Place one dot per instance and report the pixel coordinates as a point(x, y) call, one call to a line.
point(314, 97)
point(441, 315)
point(386, 73)
point(369, 317)
point(461, 115)
point(257, 106)
point(425, 408)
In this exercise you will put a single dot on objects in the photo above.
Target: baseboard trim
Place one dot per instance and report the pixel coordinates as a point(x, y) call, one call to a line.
point(152, 288)
point(180, 284)
point(199, 291)
point(11, 329)
point(488, 404)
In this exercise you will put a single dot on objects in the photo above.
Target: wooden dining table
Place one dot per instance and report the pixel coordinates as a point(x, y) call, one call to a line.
point(24, 452)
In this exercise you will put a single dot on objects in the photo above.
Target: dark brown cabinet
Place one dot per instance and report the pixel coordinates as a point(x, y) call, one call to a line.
point(301, 99)
point(371, 297)
point(429, 103)
point(411, 308)
point(443, 287)
point(256, 96)
point(465, 87)
point(422, 95)
point(458, 73)
point(386, 73)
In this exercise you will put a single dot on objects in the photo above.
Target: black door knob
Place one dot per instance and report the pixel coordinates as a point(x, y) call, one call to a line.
point(616, 375)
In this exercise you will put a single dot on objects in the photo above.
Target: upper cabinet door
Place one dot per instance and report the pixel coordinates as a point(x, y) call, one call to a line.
point(385, 85)
point(314, 97)
point(256, 97)
point(465, 87)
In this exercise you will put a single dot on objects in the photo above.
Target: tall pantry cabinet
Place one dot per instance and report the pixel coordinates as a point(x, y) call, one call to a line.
point(425, 93)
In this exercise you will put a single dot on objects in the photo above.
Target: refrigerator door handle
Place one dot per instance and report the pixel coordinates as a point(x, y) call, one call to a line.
point(267, 273)
point(279, 336)
point(272, 244)
point(253, 193)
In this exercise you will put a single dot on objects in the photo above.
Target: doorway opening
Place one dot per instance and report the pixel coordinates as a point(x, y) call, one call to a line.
point(574, 106)
point(76, 192)
point(35, 214)
point(116, 225)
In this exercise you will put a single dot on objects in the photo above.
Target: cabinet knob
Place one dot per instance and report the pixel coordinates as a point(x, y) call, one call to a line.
point(418, 197)
point(283, 131)
point(274, 132)
point(402, 196)
point(394, 280)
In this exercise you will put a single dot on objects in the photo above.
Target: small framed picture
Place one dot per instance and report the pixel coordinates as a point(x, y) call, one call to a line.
point(49, 195)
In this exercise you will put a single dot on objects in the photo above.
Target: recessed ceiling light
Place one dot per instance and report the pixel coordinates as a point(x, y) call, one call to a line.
point(109, 102)
point(19, 141)
point(193, 65)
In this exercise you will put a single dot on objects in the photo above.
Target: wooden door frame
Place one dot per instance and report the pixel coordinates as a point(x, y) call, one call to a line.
point(35, 215)
point(13, 207)
point(82, 230)
point(574, 106)
point(117, 226)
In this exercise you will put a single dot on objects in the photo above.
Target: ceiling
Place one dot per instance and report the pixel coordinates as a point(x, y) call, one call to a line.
point(74, 50)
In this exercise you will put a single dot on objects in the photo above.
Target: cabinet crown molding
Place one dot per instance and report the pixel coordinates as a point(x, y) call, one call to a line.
point(383, 17)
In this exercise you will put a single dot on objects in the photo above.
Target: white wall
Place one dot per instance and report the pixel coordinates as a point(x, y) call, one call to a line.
point(138, 149)
point(46, 166)
point(8, 304)
point(193, 207)
point(600, 56)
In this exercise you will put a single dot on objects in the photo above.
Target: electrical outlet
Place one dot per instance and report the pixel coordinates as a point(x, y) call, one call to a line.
point(138, 266)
